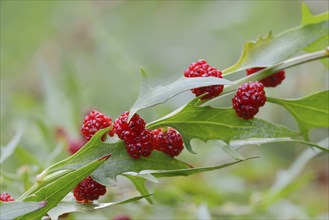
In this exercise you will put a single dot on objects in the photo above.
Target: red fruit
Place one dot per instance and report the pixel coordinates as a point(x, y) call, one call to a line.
point(270, 81)
point(169, 142)
point(202, 69)
point(140, 145)
point(5, 197)
point(93, 122)
point(88, 190)
point(248, 98)
point(128, 130)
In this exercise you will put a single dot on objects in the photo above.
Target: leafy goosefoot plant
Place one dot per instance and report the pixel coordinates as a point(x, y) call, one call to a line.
point(194, 120)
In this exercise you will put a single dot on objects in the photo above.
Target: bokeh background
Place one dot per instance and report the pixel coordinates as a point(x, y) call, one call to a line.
point(59, 59)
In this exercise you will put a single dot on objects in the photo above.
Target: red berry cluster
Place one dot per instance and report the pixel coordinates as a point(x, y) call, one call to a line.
point(248, 98)
point(88, 190)
point(137, 138)
point(270, 81)
point(169, 142)
point(202, 69)
point(93, 122)
point(5, 197)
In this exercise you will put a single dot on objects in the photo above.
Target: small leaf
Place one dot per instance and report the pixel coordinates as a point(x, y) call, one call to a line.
point(54, 190)
point(9, 149)
point(259, 141)
point(208, 123)
point(68, 207)
point(139, 183)
point(309, 18)
point(191, 171)
point(310, 112)
point(12, 210)
point(268, 51)
point(149, 97)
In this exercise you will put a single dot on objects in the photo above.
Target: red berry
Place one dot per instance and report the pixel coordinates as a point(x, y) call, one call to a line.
point(140, 145)
point(128, 130)
point(138, 140)
point(247, 100)
point(5, 197)
point(202, 69)
point(88, 190)
point(93, 122)
point(169, 142)
point(270, 81)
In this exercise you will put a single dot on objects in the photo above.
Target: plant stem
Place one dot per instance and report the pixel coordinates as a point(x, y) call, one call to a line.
point(295, 61)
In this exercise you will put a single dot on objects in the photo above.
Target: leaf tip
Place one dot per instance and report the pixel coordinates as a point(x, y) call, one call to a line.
point(105, 157)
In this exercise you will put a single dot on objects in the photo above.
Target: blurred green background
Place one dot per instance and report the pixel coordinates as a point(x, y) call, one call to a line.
point(60, 59)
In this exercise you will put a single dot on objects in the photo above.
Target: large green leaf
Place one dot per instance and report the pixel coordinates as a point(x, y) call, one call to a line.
point(208, 123)
point(53, 190)
point(152, 96)
point(120, 161)
point(271, 50)
point(310, 112)
point(12, 210)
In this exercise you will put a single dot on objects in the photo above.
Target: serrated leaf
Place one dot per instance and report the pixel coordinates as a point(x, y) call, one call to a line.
point(149, 97)
point(208, 123)
point(139, 183)
point(120, 161)
point(68, 207)
point(53, 190)
point(12, 210)
point(310, 112)
point(268, 51)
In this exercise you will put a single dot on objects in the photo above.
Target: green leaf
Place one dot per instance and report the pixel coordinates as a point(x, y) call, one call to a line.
point(68, 207)
point(149, 97)
point(191, 171)
point(139, 183)
point(309, 18)
point(208, 123)
point(269, 50)
point(310, 112)
point(12, 210)
point(120, 161)
point(259, 141)
point(53, 190)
